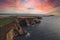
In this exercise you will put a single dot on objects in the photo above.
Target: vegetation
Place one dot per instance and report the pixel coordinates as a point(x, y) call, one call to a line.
point(4, 21)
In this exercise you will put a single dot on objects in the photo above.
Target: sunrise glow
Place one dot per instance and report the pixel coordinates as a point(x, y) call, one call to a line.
point(42, 5)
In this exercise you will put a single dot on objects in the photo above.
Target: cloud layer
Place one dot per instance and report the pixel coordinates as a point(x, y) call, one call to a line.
point(44, 5)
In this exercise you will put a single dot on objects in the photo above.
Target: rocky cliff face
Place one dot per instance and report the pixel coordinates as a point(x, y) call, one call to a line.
point(7, 32)
point(4, 31)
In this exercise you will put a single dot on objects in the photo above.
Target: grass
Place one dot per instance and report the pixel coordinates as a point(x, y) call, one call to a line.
point(5, 21)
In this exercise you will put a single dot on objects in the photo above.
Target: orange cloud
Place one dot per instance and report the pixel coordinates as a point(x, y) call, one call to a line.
point(38, 5)
point(44, 7)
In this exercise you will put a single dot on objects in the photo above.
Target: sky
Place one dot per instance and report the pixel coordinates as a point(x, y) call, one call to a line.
point(44, 5)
